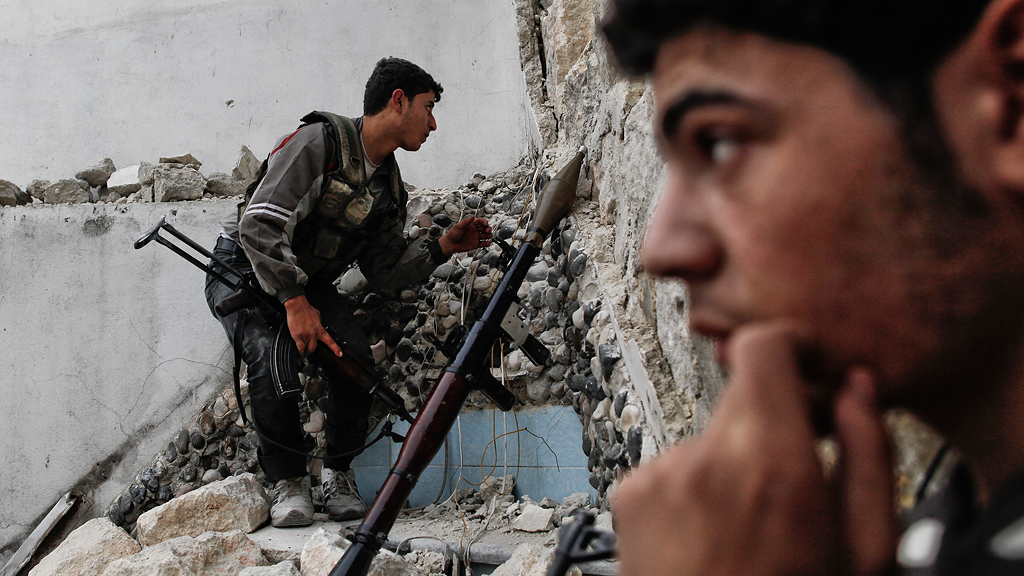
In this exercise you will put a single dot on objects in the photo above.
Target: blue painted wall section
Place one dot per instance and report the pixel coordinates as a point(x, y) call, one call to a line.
point(545, 456)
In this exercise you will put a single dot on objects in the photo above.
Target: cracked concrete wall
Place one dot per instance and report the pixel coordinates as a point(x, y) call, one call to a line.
point(87, 80)
point(106, 350)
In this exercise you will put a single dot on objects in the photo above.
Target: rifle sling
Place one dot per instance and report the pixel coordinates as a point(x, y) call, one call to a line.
point(236, 343)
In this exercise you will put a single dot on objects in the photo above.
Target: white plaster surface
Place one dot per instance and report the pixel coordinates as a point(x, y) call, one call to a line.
point(135, 80)
point(104, 349)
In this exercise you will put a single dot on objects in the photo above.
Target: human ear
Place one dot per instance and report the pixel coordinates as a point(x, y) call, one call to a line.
point(398, 99)
point(979, 98)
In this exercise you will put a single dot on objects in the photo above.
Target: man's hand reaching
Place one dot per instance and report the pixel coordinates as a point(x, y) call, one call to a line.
point(469, 234)
point(749, 495)
point(304, 325)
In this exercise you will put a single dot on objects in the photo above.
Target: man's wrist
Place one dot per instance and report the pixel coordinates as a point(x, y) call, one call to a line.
point(295, 303)
point(446, 246)
point(286, 294)
point(437, 255)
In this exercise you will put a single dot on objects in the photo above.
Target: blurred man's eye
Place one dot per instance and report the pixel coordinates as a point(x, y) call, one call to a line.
point(718, 146)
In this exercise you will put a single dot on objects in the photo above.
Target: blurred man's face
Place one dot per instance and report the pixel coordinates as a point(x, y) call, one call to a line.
point(790, 195)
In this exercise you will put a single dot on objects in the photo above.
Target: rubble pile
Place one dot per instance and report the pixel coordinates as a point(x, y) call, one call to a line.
point(173, 178)
point(215, 446)
point(211, 531)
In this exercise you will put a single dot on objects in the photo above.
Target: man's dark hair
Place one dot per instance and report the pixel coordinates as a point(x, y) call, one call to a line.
point(878, 38)
point(893, 45)
point(391, 74)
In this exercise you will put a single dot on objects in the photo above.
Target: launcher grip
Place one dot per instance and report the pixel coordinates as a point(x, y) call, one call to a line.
point(153, 233)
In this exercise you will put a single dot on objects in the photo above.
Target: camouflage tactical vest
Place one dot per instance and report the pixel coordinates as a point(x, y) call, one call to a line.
point(349, 209)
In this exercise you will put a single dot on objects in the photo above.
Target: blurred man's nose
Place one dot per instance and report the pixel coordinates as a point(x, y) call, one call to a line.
point(679, 242)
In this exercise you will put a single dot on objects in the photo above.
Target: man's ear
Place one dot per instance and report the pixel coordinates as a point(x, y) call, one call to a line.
point(398, 100)
point(979, 93)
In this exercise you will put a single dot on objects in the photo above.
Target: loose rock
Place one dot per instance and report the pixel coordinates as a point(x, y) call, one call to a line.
point(283, 568)
point(212, 553)
point(186, 159)
point(66, 192)
point(223, 185)
point(97, 173)
point(246, 167)
point(172, 183)
point(534, 519)
point(88, 550)
point(237, 503)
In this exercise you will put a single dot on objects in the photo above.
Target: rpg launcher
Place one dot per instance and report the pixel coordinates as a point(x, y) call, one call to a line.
point(469, 371)
point(285, 359)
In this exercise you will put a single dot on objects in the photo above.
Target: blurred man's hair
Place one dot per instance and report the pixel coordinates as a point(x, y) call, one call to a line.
point(894, 46)
point(880, 39)
point(391, 74)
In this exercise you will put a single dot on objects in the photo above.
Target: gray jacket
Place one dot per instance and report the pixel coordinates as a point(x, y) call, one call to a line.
point(282, 209)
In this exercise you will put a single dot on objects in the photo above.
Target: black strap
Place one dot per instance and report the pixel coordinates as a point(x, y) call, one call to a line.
point(237, 345)
point(929, 474)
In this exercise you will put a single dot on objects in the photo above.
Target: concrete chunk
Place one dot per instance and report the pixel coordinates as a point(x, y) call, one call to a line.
point(530, 560)
point(211, 554)
point(224, 185)
point(146, 173)
point(66, 192)
point(186, 159)
point(236, 503)
point(97, 173)
point(11, 195)
point(284, 568)
point(172, 183)
point(534, 519)
point(88, 550)
point(125, 181)
point(325, 548)
point(37, 187)
point(246, 166)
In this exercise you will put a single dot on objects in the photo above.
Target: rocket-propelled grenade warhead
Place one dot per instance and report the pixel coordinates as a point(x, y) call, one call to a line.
point(556, 199)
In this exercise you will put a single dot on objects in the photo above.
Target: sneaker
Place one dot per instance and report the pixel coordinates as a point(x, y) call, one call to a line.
point(341, 494)
point(291, 504)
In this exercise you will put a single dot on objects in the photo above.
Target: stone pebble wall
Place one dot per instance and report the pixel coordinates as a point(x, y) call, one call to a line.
point(562, 309)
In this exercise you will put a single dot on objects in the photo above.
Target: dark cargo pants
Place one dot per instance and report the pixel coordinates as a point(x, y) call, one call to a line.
point(277, 419)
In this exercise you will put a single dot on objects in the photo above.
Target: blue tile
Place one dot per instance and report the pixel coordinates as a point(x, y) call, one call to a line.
point(565, 482)
point(377, 455)
point(528, 484)
point(535, 471)
point(428, 487)
point(563, 435)
point(369, 479)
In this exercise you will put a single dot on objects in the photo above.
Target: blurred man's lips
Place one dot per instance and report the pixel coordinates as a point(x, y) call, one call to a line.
point(717, 332)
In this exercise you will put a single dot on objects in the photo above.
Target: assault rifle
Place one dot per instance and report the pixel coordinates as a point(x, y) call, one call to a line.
point(469, 371)
point(285, 358)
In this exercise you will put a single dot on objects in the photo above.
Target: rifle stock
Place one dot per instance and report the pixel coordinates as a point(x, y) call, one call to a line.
point(468, 371)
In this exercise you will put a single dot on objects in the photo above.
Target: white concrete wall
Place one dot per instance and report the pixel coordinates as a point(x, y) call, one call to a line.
point(104, 350)
point(138, 79)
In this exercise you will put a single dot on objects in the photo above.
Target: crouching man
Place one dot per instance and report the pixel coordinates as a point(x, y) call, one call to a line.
point(330, 195)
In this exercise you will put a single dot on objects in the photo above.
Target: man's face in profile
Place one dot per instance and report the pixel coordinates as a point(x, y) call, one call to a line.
point(790, 195)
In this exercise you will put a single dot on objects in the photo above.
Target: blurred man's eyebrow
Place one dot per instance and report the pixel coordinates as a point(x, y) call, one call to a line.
point(688, 102)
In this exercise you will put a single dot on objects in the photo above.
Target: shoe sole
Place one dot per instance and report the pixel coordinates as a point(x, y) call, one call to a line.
point(347, 515)
point(294, 518)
